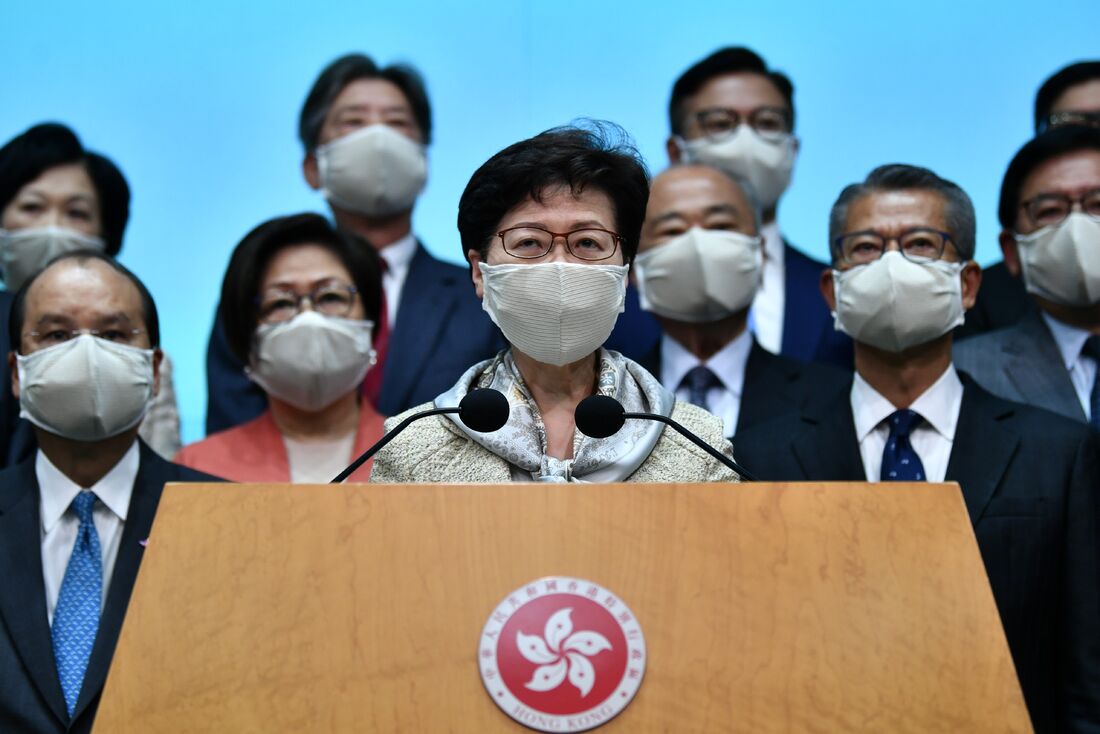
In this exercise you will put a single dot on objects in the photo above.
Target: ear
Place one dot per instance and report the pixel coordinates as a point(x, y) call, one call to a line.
point(971, 281)
point(475, 272)
point(796, 144)
point(158, 357)
point(1010, 249)
point(311, 172)
point(12, 367)
point(828, 291)
point(675, 155)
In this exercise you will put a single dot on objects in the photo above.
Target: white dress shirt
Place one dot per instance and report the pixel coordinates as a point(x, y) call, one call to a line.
point(1081, 368)
point(766, 315)
point(728, 364)
point(931, 439)
point(60, 524)
point(397, 257)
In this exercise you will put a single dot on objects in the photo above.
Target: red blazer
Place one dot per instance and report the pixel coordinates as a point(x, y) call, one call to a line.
point(255, 452)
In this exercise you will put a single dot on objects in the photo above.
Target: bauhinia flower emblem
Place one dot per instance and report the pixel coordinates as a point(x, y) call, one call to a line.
point(563, 653)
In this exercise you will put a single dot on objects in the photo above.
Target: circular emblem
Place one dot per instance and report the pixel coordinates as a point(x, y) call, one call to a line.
point(562, 655)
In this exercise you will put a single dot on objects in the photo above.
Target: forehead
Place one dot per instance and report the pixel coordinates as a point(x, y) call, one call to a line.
point(693, 188)
point(743, 91)
point(66, 180)
point(82, 291)
point(1070, 173)
point(559, 207)
point(305, 263)
point(1083, 97)
point(889, 211)
point(370, 94)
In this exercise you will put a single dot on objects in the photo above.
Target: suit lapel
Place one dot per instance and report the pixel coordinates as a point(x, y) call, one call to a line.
point(1034, 365)
point(828, 450)
point(424, 308)
point(153, 472)
point(765, 391)
point(982, 448)
point(23, 601)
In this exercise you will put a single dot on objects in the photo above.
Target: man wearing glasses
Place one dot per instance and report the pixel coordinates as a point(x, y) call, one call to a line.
point(732, 112)
point(1050, 214)
point(902, 243)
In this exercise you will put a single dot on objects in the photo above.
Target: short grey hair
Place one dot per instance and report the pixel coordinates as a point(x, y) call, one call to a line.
point(958, 209)
point(742, 183)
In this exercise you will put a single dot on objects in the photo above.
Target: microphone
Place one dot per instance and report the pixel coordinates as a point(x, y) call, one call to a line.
point(600, 416)
point(483, 410)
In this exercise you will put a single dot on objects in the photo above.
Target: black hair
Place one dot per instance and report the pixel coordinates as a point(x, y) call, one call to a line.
point(1053, 143)
point(239, 309)
point(1055, 86)
point(27, 156)
point(958, 209)
point(599, 155)
point(352, 67)
point(729, 60)
point(19, 302)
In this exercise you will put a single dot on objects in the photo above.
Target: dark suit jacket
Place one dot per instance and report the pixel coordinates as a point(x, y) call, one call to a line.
point(441, 330)
point(1002, 301)
point(30, 693)
point(1029, 480)
point(808, 333)
point(773, 385)
point(1022, 363)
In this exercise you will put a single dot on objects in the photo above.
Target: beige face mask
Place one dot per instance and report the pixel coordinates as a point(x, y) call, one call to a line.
point(312, 360)
point(1062, 262)
point(700, 276)
point(555, 313)
point(85, 389)
point(375, 171)
point(23, 252)
point(765, 164)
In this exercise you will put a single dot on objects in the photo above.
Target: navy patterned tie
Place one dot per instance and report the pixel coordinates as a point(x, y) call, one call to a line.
point(1092, 349)
point(699, 380)
point(76, 618)
point(900, 462)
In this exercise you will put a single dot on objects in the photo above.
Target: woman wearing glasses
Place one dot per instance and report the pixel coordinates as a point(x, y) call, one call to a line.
point(299, 303)
point(549, 227)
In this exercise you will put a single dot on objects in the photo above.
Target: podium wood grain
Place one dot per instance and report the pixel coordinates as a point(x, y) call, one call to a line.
point(766, 608)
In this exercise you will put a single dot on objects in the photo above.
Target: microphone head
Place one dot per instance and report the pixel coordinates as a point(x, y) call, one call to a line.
point(484, 410)
point(599, 416)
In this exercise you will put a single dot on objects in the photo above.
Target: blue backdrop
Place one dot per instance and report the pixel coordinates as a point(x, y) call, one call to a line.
point(198, 102)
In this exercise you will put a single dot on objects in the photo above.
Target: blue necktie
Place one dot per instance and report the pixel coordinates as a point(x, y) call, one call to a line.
point(76, 618)
point(900, 462)
point(699, 380)
point(1092, 349)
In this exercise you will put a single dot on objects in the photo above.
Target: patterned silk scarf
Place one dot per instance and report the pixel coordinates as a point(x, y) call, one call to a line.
point(522, 440)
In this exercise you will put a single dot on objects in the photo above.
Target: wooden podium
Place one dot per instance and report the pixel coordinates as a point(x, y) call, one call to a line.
point(359, 608)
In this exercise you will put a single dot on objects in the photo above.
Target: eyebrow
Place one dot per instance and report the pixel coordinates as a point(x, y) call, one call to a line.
point(366, 107)
point(117, 316)
point(582, 224)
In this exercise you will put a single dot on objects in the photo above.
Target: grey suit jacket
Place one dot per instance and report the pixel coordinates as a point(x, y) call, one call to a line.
point(1021, 363)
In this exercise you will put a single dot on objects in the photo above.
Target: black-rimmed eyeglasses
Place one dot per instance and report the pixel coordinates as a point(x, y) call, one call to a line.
point(918, 244)
point(530, 243)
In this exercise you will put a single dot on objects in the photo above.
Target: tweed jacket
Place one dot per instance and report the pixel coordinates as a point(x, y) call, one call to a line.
point(435, 450)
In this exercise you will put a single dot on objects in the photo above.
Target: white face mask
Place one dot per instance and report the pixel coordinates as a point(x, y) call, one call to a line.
point(311, 361)
point(85, 389)
point(555, 313)
point(700, 276)
point(1062, 262)
point(23, 252)
point(895, 304)
point(765, 164)
point(375, 171)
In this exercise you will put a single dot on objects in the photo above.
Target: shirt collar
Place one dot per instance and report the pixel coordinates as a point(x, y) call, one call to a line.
point(939, 405)
point(58, 491)
point(1070, 339)
point(773, 243)
point(399, 254)
point(728, 363)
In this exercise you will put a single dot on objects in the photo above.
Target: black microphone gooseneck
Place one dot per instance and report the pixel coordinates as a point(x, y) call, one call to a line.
point(600, 416)
point(484, 410)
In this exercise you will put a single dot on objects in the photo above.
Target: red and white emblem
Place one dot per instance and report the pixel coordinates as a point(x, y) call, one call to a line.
point(562, 655)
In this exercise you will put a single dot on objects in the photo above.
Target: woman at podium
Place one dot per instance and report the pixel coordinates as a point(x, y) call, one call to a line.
point(549, 226)
point(299, 303)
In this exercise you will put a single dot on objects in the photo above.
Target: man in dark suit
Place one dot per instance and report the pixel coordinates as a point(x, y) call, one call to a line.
point(74, 517)
point(697, 270)
point(732, 112)
point(903, 243)
point(1071, 96)
point(365, 130)
point(1050, 214)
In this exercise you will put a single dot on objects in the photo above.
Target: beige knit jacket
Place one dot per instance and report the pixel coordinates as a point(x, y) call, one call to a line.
point(435, 450)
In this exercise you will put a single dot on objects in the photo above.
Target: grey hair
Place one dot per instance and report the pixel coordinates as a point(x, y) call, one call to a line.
point(958, 209)
point(742, 183)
